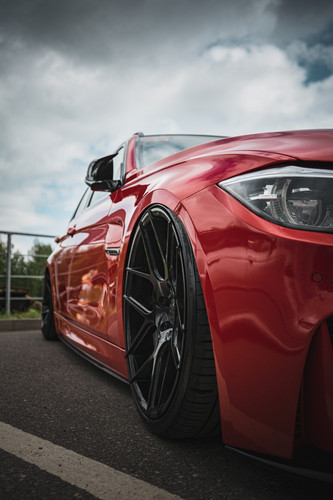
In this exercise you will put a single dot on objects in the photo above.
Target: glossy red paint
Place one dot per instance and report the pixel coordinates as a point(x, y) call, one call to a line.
point(81, 269)
point(264, 309)
point(268, 289)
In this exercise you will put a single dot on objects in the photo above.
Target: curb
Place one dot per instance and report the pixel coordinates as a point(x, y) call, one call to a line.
point(10, 325)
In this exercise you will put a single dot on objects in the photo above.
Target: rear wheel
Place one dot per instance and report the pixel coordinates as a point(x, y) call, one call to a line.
point(47, 325)
point(168, 345)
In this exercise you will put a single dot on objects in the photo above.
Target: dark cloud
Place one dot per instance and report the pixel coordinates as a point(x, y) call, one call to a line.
point(92, 27)
point(77, 26)
point(79, 76)
point(305, 29)
point(301, 19)
point(102, 30)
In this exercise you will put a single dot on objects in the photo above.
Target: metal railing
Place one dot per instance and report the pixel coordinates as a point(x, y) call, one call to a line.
point(9, 275)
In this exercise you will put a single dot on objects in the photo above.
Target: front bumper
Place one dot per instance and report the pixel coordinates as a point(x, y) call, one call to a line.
point(269, 297)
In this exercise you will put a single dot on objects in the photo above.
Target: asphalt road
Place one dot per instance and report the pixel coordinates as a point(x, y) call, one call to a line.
point(50, 392)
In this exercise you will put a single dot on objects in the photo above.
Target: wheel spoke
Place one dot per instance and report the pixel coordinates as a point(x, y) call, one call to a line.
point(158, 376)
point(159, 246)
point(142, 368)
point(175, 356)
point(146, 327)
point(135, 304)
point(163, 383)
point(148, 251)
point(141, 274)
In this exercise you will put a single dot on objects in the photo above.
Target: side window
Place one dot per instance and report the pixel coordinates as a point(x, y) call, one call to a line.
point(117, 164)
point(83, 203)
point(96, 196)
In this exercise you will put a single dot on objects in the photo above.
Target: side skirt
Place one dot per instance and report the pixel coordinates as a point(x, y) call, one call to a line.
point(89, 358)
point(104, 354)
point(312, 463)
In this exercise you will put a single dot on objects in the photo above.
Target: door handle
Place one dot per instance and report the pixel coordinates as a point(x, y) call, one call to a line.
point(71, 231)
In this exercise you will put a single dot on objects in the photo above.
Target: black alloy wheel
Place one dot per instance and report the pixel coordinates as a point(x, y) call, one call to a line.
point(47, 324)
point(168, 346)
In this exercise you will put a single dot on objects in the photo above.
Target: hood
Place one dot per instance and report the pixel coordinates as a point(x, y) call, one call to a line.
point(304, 145)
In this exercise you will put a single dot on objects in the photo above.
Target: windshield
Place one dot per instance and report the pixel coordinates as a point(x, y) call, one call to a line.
point(152, 148)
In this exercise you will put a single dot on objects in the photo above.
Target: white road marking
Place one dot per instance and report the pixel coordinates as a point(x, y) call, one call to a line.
point(94, 477)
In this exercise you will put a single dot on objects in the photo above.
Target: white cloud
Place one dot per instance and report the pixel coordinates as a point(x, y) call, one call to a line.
point(72, 113)
point(60, 109)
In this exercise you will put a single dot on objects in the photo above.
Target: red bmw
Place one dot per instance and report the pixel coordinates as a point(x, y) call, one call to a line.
point(200, 269)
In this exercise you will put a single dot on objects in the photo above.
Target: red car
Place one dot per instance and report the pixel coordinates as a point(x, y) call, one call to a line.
point(200, 269)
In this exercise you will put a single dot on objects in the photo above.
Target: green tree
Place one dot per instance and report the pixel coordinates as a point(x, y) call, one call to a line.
point(18, 266)
point(35, 266)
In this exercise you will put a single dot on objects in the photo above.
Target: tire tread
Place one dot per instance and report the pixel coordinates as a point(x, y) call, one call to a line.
point(199, 415)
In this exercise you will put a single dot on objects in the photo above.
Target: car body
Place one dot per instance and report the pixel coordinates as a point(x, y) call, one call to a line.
point(238, 229)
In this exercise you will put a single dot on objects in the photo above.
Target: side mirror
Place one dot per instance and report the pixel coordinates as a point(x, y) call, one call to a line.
point(100, 175)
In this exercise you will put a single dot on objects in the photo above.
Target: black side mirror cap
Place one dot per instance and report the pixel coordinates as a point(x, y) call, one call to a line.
point(100, 175)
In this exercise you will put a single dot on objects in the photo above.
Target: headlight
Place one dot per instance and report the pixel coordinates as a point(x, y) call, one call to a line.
point(297, 197)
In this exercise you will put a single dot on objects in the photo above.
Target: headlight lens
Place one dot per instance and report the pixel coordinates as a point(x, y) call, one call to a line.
point(297, 197)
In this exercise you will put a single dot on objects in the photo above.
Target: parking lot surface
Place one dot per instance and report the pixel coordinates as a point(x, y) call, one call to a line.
point(52, 394)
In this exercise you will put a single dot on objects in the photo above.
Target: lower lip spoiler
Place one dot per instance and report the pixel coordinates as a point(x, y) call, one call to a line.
point(307, 467)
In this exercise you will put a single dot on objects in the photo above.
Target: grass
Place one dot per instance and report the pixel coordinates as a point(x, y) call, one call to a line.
point(30, 313)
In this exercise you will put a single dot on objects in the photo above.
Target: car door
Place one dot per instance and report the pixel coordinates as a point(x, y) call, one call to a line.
point(63, 258)
point(89, 298)
point(87, 291)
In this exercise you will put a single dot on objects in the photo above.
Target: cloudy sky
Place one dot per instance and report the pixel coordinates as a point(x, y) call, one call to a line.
point(77, 77)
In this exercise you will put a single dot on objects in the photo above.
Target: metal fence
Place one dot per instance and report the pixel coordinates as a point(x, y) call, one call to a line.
point(8, 284)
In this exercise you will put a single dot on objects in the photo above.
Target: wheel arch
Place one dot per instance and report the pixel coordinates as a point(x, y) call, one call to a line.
point(166, 200)
point(178, 212)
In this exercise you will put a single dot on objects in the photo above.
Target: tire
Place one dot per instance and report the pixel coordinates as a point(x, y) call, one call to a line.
point(168, 344)
point(47, 324)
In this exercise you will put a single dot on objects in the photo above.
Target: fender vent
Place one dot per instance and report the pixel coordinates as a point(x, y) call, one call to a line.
point(329, 323)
